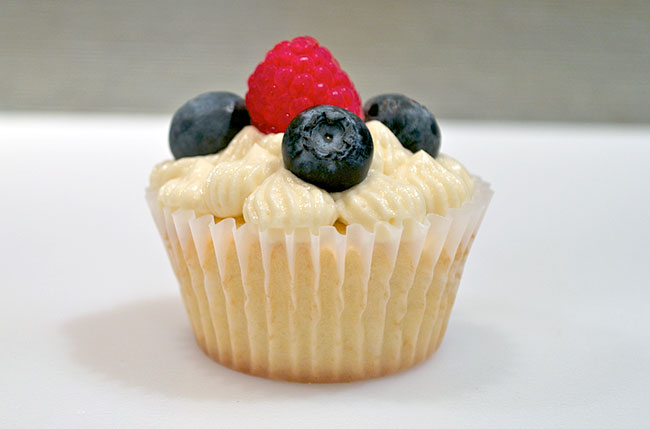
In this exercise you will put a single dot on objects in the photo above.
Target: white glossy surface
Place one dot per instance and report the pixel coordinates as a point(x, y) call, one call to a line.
point(551, 325)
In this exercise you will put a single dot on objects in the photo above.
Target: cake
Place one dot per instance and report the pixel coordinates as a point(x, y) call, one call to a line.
point(314, 239)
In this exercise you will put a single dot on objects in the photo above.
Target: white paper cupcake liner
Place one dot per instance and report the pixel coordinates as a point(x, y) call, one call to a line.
point(325, 306)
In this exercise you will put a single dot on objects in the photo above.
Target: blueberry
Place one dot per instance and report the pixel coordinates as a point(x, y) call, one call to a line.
point(412, 123)
point(207, 123)
point(329, 147)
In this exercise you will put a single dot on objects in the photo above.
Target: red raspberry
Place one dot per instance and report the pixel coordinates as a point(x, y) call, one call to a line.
point(295, 75)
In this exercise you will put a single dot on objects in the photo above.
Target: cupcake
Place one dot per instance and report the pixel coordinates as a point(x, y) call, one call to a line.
point(314, 240)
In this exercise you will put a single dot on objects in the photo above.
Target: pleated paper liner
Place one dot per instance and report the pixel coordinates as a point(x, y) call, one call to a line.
point(325, 306)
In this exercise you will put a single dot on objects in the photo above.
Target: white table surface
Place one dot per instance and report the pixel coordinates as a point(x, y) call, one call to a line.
point(551, 326)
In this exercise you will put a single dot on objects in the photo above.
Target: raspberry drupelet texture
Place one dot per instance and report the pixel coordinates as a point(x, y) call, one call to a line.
point(294, 76)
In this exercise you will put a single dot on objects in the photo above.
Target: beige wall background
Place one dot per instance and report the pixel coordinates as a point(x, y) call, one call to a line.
point(474, 59)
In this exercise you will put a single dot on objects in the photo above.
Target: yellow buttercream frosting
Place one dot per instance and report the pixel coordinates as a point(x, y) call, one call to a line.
point(247, 179)
point(389, 152)
point(231, 182)
point(285, 201)
point(380, 198)
point(440, 187)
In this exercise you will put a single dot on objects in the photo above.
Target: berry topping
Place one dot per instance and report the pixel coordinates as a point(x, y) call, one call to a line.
point(329, 147)
point(295, 75)
point(206, 124)
point(411, 122)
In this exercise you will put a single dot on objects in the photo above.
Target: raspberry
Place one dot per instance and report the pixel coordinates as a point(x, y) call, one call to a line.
point(294, 76)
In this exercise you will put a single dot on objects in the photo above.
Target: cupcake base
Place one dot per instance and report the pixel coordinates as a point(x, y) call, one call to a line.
point(320, 307)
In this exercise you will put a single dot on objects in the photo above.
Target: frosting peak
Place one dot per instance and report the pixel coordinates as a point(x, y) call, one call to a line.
point(380, 198)
point(283, 201)
point(231, 182)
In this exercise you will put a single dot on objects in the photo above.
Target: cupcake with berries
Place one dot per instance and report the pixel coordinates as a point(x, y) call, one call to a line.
point(314, 238)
